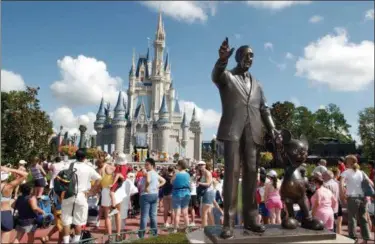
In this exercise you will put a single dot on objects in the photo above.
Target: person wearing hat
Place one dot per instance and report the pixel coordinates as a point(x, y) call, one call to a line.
point(121, 172)
point(7, 188)
point(323, 202)
point(272, 198)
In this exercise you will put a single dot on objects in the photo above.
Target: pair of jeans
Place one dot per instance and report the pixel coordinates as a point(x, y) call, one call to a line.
point(149, 206)
point(357, 208)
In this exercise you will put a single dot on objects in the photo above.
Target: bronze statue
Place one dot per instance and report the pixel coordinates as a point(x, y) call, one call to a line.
point(293, 188)
point(244, 113)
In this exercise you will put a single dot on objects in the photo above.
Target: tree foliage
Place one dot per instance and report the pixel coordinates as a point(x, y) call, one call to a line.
point(327, 122)
point(366, 131)
point(25, 128)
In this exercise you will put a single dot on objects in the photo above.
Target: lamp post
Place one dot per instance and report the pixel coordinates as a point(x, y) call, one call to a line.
point(213, 149)
point(93, 139)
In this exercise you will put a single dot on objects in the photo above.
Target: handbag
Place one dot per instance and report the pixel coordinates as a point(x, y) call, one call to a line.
point(367, 189)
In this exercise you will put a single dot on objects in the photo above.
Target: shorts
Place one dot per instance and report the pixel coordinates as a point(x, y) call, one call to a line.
point(208, 197)
point(339, 212)
point(80, 213)
point(40, 182)
point(106, 198)
point(180, 202)
point(263, 210)
point(7, 222)
point(32, 227)
point(193, 201)
point(274, 202)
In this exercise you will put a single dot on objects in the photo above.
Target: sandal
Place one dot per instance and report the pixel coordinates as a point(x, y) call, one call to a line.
point(44, 239)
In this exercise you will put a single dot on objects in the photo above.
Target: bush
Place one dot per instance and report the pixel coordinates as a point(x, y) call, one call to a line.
point(178, 238)
point(265, 159)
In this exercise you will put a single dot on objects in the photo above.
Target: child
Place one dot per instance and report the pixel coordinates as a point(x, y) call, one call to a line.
point(120, 174)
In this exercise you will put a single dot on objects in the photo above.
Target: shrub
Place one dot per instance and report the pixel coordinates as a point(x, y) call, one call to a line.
point(265, 159)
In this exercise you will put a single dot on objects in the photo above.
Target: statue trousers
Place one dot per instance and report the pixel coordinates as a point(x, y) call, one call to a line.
point(243, 154)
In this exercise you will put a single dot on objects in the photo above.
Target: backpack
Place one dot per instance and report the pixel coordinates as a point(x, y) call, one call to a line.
point(66, 181)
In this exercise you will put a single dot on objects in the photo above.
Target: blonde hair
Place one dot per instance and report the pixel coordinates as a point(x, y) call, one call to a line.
point(209, 166)
point(353, 159)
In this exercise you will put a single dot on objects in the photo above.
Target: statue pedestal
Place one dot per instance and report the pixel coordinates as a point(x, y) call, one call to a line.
point(273, 234)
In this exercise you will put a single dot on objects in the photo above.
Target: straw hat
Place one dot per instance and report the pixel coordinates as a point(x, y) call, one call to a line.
point(201, 163)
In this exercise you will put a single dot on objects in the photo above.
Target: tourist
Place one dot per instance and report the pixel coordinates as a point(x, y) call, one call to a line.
point(341, 164)
point(193, 204)
point(56, 168)
point(205, 183)
point(322, 203)
point(272, 198)
point(217, 210)
point(149, 198)
point(21, 166)
point(39, 175)
point(321, 168)
point(120, 174)
point(263, 211)
point(7, 188)
point(181, 193)
point(354, 196)
point(371, 164)
point(331, 184)
point(166, 192)
point(75, 208)
point(27, 208)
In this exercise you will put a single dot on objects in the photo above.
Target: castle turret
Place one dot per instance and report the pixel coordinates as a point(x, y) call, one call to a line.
point(100, 120)
point(131, 90)
point(172, 101)
point(158, 83)
point(195, 127)
point(164, 126)
point(119, 123)
point(167, 69)
point(185, 131)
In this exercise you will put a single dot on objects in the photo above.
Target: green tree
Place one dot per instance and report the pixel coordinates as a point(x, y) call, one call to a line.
point(303, 124)
point(282, 114)
point(366, 131)
point(25, 128)
point(331, 122)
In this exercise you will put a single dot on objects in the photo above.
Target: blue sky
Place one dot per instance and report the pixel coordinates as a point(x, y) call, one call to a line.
point(314, 53)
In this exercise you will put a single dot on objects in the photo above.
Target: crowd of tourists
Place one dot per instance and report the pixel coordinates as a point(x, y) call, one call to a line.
point(110, 190)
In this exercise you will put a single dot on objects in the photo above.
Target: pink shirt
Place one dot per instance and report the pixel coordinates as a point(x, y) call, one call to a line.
point(324, 201)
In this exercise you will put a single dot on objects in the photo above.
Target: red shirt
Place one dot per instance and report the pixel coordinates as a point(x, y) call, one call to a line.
point(122, 169)
point(214, 174)
point(342, 167)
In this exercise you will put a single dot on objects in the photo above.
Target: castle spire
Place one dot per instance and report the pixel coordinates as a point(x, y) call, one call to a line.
point(184, 122)
point(167, 64)
point(132, 69)
point(163, 107)
point(194, 117)
point(120, 106)
point(101, 112)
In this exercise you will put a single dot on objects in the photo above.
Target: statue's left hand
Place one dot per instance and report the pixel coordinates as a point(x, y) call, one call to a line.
point(276, 137)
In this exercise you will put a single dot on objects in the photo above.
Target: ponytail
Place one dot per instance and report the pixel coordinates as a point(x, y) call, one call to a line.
point(354, 160)
point(274, 182)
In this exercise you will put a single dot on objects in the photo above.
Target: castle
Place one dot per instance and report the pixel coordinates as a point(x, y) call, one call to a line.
point(151, 118)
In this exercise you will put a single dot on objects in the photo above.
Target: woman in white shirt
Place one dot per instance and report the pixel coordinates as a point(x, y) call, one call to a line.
point(357, 204)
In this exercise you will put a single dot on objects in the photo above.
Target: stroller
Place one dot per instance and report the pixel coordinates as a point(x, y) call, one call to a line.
point(93, 218)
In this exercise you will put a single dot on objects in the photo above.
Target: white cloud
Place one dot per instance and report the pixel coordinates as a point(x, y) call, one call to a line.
point(296, 102)
point(338, 63)
point(316, 19)
point(187, 11)
point(288, 55)
point(65, 117)
point(209, 118)
point(280, 66)
point(237, 36)
point(369, 15)
point(11, 81)
point(83, 82)
point(322, 107)
point(268, 46)
point(276, 5)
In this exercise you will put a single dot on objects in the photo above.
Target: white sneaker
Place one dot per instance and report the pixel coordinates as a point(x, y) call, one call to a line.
point(192, 224)
point(166, 225)
point(113, 212)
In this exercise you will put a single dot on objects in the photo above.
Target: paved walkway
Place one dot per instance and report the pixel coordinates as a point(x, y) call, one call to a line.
point(131, 225)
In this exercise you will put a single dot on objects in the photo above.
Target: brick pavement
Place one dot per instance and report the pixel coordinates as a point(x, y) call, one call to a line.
point(132, 224)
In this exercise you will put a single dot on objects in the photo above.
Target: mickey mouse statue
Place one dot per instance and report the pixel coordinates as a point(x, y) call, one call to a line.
point(293, 153)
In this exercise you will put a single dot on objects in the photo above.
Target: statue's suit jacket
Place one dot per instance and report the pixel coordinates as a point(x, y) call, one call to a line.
point(239, 105)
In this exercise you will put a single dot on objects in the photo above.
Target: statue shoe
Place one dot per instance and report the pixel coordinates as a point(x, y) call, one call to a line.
point(290, 223)
point(226, 233)
point(312, 224)
point(258, 228)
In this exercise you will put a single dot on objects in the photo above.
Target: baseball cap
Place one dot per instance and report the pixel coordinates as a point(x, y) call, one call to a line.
point(22, 162)
point(272, 173)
